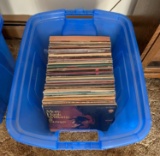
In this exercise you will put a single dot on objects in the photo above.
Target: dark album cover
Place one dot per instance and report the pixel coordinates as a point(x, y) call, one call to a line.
point(80, 117)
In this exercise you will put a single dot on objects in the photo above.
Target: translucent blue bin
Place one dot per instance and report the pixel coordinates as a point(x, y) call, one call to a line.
point(6, 73)
point(26, 121)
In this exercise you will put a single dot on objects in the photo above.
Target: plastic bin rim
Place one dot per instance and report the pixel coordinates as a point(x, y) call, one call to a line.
point(1, 22)
point(64, 12)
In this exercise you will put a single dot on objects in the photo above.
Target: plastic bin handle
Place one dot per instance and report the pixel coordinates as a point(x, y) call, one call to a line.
point(79, 145)
point(79, 12)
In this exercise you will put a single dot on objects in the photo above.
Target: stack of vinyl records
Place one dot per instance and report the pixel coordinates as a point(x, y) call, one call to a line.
point(79, 73)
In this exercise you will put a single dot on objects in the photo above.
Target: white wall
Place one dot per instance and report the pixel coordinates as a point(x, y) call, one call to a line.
point(30, 7)
point(150, 8)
